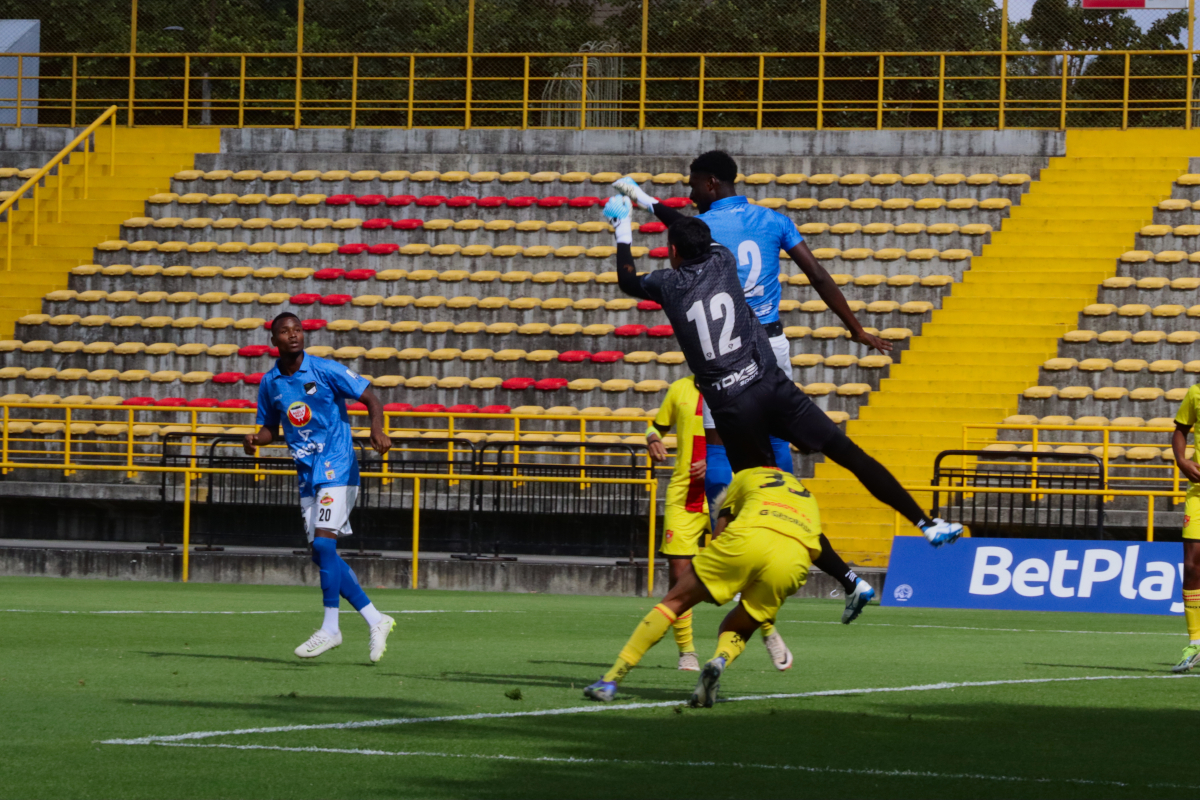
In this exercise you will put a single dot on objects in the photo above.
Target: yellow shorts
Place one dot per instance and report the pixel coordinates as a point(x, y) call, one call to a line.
point(683, 530)
point(766, 567)
point(1191, 512)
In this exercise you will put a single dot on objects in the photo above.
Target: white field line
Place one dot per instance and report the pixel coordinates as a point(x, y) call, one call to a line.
point(876, 773)
point(1179, 634)
point(602, 707)
point(345, 611)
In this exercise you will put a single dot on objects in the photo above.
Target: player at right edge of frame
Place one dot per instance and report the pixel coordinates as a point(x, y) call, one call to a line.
point(1185, 423)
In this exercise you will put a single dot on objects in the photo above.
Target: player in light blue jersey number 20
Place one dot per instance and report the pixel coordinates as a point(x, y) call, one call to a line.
point(307, 395)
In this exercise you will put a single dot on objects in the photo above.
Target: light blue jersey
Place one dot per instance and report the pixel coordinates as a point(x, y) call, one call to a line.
point(755, 235)
point(311, 403)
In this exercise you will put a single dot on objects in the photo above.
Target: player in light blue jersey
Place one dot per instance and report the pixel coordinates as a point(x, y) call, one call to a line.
point(756, 235)
point(308, 395)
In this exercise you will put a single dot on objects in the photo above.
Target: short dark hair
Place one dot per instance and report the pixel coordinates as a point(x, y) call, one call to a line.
point(691, 237)
point(717, 163)
point(285, 315)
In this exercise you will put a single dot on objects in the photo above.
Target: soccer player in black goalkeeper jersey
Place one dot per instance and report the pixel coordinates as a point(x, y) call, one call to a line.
point(749, 396)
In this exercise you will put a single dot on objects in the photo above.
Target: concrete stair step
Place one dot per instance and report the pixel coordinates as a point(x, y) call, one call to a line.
point(1056, 250)
point(1002, 318)
point(998, 300)
point(1118, 162)
point(892, 415)
point(1003, 358)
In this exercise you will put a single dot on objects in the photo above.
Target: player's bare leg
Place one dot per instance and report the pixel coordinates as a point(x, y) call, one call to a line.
point(1191, 605)
point(677, 566)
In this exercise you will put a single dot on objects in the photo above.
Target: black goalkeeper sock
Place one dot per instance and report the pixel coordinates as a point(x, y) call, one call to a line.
point(832, 564)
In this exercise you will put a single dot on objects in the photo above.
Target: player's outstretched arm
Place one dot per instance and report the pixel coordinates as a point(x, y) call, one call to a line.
point(618, 211)
point(380, 441)
point(828, 291)
point(262, 438)
point(628, 187)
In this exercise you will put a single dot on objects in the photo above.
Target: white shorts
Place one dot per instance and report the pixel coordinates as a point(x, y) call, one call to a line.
point(783, 355)
point(328, 510)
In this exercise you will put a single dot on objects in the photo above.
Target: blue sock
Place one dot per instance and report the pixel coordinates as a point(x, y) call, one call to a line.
point(351, 590)
point(783, 455)
point(324, 555)
point(718, 474)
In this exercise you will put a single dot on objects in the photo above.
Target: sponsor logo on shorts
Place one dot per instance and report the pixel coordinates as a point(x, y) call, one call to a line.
point(1187, 520)
point(299, 414)
point(326, 500)
point(669, 535)
point(740, 377)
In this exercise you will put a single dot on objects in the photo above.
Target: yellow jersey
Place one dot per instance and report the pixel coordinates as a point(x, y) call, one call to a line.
point(682, 410)
point(1189, 409)
point(766, 497)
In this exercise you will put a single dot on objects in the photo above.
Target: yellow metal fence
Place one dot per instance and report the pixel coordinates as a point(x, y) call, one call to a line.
point(1043, 89)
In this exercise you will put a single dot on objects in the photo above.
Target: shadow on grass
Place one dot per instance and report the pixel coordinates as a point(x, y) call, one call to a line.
point(222, 656)
point(549, 681)
point(1096, 666)
point(292, 704)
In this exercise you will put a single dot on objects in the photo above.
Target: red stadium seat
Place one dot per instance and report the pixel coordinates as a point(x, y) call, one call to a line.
point(583, 202)
point(253, 351)
point(313, 324)
point(463, 408)
point(607, 357)
point(551, 384)
point(377, 224)
point(520, 202)
point(138, 401)
point(400, 200)
point(356, 249)
point(497, 409)
point(430, 408)
point(227, 377)
point(385, 249)
point(336, 299)
point(574, 356)
point(172, 402)
point(360, 274)
point(653, 227)
point(370, 200)
point(340, 199)
point(630, 330)
point(661, 331)
point(356, 406)
point(237, 402)
point(553, 201)
point(518, 384)
point(305, 299)
point(273, 351)
point(203, 402)
point(461, 201)
point(254, 378)
point(408, 224)
point(659, 252)
point(397, 407)
point(677, 202)
point(431, 200)
point(329, 274)
point(648, 305)
point(489, 202)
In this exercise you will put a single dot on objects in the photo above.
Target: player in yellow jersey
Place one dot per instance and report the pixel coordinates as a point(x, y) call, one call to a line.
point(1185, 422)
point(768, 533)
point(686, 518)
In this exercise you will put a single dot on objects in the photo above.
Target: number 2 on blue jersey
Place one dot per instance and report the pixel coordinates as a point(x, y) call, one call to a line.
point(750, 256)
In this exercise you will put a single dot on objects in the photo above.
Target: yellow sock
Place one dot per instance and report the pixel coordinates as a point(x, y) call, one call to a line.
point(729, 646)
point(652, 628)
point(1191, 612)
point(767, 629)
point(683, 633)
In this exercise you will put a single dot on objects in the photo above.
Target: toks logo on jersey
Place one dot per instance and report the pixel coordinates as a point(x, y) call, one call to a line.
point(299, 414)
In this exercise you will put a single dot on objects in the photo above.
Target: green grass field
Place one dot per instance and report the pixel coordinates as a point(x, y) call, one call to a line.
point(69, 682)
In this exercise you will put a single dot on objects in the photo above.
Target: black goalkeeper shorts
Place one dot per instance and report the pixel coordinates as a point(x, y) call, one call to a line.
point(772, 406)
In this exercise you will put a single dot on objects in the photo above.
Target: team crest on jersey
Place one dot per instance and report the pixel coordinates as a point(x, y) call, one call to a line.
point(310, 387)
point(326, 500)
point(299, 414)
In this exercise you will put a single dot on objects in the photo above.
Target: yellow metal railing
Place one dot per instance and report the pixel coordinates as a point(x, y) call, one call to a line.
point(1099, 440)
point(9, 206)
point(672, 90)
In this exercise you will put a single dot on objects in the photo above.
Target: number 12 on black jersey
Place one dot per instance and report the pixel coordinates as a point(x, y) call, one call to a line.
point(721, 307)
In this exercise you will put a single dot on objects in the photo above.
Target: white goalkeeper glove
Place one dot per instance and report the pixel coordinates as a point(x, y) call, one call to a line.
point(628, 187)
point(619, 213)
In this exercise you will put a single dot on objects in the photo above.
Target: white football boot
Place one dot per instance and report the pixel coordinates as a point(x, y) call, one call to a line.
point(318, 643)
point(379, 637)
